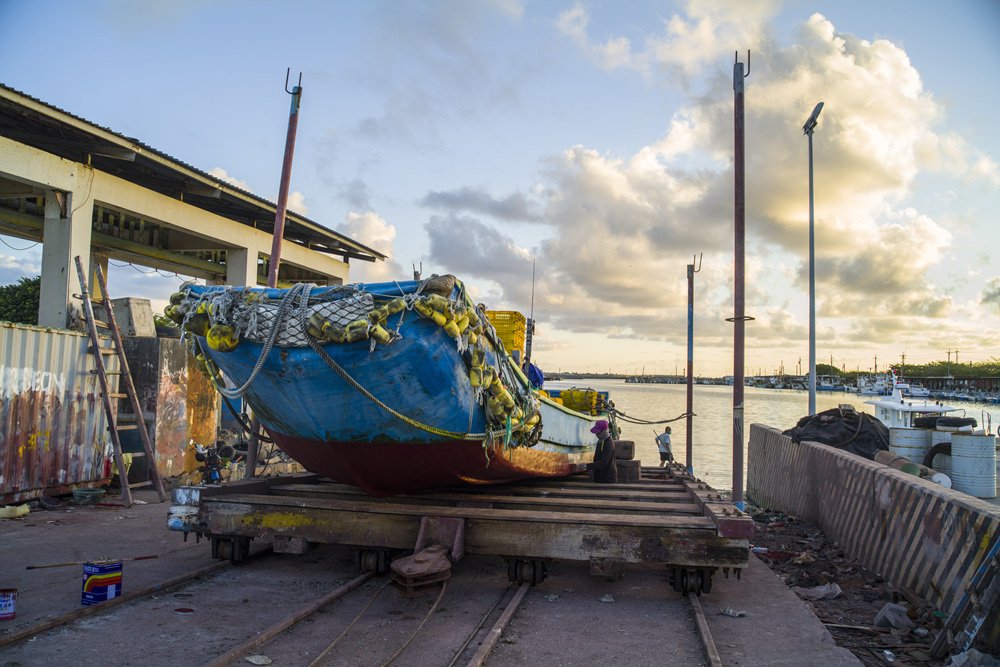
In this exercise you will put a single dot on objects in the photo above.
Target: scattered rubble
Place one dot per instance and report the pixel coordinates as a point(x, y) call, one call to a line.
point(865, 613)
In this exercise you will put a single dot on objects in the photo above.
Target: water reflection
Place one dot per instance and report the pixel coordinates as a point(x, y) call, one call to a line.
point(712, 428)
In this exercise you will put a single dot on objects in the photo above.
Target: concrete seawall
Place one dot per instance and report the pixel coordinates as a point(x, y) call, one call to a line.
point(915, 533)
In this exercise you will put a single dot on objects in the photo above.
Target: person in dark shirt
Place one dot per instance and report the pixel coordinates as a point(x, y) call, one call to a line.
point(604, 467)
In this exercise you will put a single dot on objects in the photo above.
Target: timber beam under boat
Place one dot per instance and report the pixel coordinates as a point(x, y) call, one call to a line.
point(666, 518)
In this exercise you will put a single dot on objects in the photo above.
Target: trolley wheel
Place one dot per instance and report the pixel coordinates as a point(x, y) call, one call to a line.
point(522, 571)
point(222, 548)
point(374, 560)
point(691, 580)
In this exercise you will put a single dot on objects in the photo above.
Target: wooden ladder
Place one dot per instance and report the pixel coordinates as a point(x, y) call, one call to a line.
point(126, 382)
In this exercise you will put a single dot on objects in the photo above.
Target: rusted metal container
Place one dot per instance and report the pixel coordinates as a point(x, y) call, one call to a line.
point(53, 430)
point(179, 402)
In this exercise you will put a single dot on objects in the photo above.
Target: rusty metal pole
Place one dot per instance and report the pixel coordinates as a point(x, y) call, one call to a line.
point(739, 314)
point(286, 176)
point(690, 368)
point(279, 232)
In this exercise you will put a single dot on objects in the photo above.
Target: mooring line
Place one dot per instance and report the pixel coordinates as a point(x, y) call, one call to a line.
point(239, 651)
point(399, 651)
point(329, 647)
point(482, 622)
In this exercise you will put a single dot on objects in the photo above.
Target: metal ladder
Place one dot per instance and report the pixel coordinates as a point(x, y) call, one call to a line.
point(126, 382)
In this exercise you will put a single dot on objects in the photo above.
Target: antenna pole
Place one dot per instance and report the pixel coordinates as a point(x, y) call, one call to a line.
point(286, 177)
point(531, 317)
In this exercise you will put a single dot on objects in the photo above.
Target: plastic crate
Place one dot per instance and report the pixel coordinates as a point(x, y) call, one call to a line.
point(511, 327)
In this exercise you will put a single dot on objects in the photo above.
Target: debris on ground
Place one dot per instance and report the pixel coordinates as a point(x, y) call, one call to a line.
point(824, 592)
point(806, 560)
point(607, 598)
point(258, 659)
point(732, 613)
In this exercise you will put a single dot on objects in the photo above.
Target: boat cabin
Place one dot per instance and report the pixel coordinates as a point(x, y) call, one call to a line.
point(897, 411)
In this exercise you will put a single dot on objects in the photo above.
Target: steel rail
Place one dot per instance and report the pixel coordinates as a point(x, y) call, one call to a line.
point(706, 635)
point(491, 640)
point(83, 612)
point(274, 630)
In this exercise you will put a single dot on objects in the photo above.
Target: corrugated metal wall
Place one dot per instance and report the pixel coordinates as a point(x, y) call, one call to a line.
point(53, 431)
point(914, 532)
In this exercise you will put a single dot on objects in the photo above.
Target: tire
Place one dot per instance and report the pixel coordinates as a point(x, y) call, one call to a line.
point(956, 422)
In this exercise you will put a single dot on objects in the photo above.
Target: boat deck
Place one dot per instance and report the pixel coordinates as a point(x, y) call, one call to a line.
point(666, 518)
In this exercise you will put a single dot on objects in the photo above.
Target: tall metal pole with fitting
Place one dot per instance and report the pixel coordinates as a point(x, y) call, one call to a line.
point(808, 128)
point(279, 232)
point(286, 177)
point(739, 318)
point(689, 412)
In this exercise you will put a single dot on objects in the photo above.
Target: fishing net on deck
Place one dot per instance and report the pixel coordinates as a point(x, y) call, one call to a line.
point(844, 428)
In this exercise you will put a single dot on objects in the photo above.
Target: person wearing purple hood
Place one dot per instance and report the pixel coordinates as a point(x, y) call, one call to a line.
point(604, 467)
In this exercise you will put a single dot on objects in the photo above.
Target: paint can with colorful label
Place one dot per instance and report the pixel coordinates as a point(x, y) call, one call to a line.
point(102, 581)
point(8, 596)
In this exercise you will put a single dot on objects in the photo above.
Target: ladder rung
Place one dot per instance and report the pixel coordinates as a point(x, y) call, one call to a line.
point(101, 323)
point(96, 302)
point(129, 417)
point(126, 427)
point(137, 455)
point(102, 350)
point(93, 371)
point(116, 394)
point(138, 484)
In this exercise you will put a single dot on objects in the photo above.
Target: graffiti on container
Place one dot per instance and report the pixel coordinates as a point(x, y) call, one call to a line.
point(22, 380)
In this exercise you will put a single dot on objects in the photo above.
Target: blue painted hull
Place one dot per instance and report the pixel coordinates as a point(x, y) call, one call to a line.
point(332, 428)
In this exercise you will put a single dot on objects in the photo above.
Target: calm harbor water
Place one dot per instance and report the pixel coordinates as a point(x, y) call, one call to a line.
point(712, 428)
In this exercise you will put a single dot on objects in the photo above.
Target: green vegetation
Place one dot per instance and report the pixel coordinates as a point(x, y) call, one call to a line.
point(935, 369)
point(19, 301)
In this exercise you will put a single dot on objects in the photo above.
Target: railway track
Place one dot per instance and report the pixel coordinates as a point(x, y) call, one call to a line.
point(361, 620)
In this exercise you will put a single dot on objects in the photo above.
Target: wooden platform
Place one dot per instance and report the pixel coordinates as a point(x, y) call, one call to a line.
point(665, 518)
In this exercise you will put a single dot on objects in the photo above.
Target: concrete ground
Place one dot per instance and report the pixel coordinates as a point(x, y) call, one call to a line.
point(563, 621)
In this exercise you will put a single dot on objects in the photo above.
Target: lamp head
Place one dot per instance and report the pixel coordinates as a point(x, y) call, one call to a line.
point(813, 119)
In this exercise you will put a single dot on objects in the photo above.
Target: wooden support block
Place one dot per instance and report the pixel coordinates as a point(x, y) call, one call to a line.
point(624, 449)
point(628, 471)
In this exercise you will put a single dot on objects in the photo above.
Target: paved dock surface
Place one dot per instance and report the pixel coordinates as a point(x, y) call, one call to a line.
point(562, 621)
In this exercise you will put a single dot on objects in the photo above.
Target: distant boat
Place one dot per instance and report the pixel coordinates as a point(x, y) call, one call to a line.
point(392, 387)
point(875, 385)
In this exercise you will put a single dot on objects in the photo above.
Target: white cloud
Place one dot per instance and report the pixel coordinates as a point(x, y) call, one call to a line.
point(623, 227)
point(223, 175)
point(374, 232)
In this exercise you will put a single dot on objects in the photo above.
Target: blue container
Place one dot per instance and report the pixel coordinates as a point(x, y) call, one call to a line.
point(102, 580)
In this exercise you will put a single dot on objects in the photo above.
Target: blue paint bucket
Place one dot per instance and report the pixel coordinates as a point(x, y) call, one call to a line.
point(102, 581)
point(8, 598)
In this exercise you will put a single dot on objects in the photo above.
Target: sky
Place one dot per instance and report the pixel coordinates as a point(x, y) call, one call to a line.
point(594, 140)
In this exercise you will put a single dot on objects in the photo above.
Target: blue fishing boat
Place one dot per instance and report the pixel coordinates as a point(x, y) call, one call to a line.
point(392, 387)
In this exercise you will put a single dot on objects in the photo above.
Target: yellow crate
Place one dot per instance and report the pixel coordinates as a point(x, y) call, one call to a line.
point(511, 327)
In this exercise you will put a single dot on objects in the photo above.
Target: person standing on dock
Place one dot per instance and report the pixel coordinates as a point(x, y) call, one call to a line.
point(604, 467)
point(663, 444)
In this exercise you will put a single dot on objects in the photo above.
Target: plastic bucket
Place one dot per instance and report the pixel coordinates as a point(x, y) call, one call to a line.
point(8, 596)
point(974, 464)
point(910, 443)
point(102, 581)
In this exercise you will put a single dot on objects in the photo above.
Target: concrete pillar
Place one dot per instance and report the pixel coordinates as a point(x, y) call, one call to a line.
point(68, 220)
point(241, 267)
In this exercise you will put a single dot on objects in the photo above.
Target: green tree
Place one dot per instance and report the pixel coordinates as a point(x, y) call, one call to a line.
point(19, 301)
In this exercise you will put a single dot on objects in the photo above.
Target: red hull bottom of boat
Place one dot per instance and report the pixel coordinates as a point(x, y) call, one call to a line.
point(384, 469)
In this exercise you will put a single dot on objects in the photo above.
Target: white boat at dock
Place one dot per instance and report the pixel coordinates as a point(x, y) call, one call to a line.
point(897, 411)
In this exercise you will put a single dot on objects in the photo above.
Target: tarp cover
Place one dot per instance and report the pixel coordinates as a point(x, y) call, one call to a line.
point(844, 428)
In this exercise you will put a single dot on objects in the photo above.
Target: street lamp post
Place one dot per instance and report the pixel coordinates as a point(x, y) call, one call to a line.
point(808, 128)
